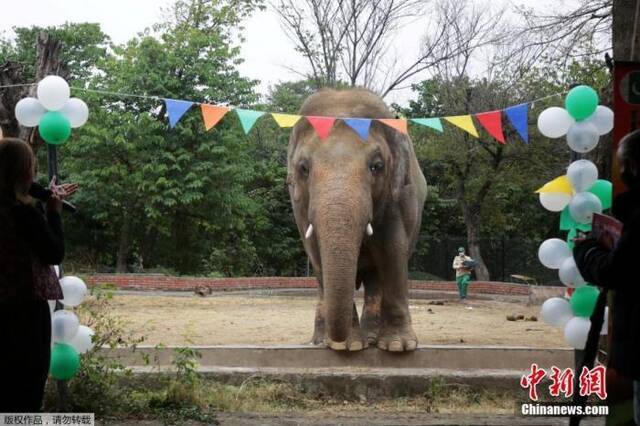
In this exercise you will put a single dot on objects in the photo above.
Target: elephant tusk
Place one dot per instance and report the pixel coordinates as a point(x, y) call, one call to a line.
point(369, 229)
point(309, 231)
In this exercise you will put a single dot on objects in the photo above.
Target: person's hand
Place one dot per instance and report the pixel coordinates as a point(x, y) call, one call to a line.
point(59, 193)
point(63, 191)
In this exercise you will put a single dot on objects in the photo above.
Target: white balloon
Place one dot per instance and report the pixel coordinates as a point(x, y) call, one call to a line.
point(553, 252)
point(556, 311)
point(554, 122)
point(602, 119)
point(570, 275)
point(554, 201)
point(582, 136)
point(64, 326)
point(576, 332)
point(74, 290)
point(29, 111)
point(582, 174)
point(82, 340)
point(53, 92)
point(76, 111)
point(583, 205)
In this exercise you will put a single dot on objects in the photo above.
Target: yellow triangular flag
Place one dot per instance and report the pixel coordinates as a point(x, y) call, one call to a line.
point(464, 122)
point(558, 185)
point(285, 120)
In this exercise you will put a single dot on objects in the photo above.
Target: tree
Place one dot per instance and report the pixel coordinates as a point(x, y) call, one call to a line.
point(70, 51)
point(349, 40)
point(170, 191)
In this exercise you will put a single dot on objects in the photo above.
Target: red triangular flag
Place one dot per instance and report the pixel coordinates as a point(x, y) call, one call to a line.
point(322, 125)
point(492, 121)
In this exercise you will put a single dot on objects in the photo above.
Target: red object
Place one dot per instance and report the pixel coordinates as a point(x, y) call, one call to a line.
point(562, 381)
point(594, 382)
point(532, 380)
point(492, 121)
point(626, 108)
point(322, 125)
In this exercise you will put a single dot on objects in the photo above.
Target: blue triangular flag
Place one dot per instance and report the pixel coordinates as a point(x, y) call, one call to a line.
point(359, 125)
point(176, 109)
point(248, 118)
point(518, 116)
point(434, 123)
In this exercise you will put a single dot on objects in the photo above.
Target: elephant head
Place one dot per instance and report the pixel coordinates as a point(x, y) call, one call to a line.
point(340, 188)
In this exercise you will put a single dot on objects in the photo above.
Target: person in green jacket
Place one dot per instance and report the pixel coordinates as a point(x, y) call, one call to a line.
point(463, 265)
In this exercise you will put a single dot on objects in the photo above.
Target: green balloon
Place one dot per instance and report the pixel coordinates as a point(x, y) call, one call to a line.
point(54, 127)
point(567, 223)
point(583, 300)
point(65, 361)
point(603, 189)
point(581, 102)
point(573, 233)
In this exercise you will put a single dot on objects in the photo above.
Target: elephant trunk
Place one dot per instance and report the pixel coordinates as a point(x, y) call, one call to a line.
point(341, 227)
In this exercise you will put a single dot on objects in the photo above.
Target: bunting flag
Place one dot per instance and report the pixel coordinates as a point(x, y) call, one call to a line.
point(248, 118)
point(434, 123)
point(285, 120)
point(518, 115)
point(395, 123)
point(322, 125)
point(560, 184)
point(464, 122)
point(176, 109)
point(492, 121)
point(211, 114)
point(360, 126)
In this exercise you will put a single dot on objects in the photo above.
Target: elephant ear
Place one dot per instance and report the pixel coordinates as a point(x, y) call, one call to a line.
point(399, 145)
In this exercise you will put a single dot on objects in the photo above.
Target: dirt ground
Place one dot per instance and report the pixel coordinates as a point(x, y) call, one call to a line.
point(276, 320)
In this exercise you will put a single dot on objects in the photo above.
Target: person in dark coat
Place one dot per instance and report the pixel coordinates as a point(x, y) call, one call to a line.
point(616, 269)
point(30, 243)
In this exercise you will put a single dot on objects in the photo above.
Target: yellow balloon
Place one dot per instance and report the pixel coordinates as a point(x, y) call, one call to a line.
point(558, 185)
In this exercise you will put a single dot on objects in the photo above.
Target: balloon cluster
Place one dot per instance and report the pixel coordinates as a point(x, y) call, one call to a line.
point(69, 338)
point(578, 194)
point(582, 120)
point(53, 111)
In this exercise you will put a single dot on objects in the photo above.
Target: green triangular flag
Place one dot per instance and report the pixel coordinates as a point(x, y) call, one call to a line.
point(567, 223)
point(434, 123)
point(248, 118)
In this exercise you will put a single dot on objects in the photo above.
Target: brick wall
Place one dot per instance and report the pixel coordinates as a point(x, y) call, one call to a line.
point(164, 282)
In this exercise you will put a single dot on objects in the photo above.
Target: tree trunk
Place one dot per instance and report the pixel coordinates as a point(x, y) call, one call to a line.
point(47, 63)
point(472, 222)
point(123, 245)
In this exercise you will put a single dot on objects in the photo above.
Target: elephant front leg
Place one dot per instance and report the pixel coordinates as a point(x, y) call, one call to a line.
point(396, 332)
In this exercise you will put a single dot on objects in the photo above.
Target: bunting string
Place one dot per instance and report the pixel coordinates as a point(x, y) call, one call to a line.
point(212, 114)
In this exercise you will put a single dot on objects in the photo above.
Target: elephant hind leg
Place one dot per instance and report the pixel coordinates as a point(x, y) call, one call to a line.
point(370, 322)
point(318, 326)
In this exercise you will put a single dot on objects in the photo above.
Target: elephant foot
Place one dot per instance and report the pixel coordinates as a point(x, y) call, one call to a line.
point(370, 329)
point(355, 342)
point(397, 338)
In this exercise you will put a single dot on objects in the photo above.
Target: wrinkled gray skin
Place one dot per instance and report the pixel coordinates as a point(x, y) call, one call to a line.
point(340, 185)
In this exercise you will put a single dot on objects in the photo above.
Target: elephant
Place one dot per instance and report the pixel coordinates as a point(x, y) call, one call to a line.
point(358, 208)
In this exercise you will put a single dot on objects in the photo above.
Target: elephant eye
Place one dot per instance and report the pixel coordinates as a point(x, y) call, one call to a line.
point(303, 169)
point(376, 167)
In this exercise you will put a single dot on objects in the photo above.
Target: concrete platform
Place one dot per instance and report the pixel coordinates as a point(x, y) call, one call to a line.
point(369, 374)
point(452, 357)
